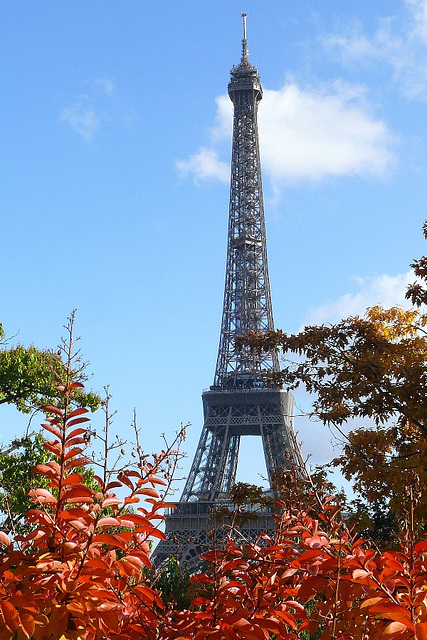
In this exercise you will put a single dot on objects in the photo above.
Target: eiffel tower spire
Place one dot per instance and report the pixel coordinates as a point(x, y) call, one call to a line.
point(241, 401)
point(247, 301)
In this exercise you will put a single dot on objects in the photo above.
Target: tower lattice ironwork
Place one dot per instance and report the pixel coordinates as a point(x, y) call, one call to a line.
point(241, 400)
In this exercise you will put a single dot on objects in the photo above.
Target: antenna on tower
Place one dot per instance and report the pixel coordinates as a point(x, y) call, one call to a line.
point(244, 41)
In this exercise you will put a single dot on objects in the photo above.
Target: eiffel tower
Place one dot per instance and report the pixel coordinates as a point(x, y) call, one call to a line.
point(241, 401)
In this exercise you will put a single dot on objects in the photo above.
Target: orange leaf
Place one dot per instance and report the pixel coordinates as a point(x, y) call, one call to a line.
point(78, 490)
point(107, 538)
point(394, 627)
point(109, 522)
point(155, 480)
point(112, 500)
point(72, 453)
point(421, 631)
point(10, 616)
point(371, 601)
point(147, 491)
point(361, 574)
point(5, 540)
point(156, 533)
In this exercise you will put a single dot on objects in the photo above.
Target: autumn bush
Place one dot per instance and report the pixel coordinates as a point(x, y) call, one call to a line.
point(81, 574)
point(81, 569)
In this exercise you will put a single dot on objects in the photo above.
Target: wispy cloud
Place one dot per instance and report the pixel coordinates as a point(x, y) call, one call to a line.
point(384, 289)
point(106, 85)
point(89, 110)
point(305, 134)
point(82, 118)
point(400, 41)
point(204, 165)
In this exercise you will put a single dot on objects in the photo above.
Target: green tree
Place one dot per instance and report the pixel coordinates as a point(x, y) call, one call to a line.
point(30, 377)
point(17, 478)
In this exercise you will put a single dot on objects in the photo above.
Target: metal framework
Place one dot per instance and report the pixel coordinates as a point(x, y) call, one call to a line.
point(241, 401)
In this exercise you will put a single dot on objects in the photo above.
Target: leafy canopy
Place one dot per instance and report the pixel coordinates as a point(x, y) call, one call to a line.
point(372, 367)
point(29, 377)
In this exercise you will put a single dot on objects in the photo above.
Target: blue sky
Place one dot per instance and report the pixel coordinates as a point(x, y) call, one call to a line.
point(115, 144)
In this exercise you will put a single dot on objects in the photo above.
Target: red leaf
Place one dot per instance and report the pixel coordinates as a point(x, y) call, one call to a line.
point(73, 452)
point(42, 496)
point(78, 493)
point(52, 429)
point(10, 616)
point(54, 447)
point(316, 541)
point(76, 432)
point(391, 611)
point(124, 480)
point(50, 409)
point(77, 412)
point(72, 479)
point(361, 575)
point(46, 470)
point(71, 442)
point(112, 485)
point(138, 519)
point(156, 480)
point(76, 385)
point(71, 423)
point(77, 462)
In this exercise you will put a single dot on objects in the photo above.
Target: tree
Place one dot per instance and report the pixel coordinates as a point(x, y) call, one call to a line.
point(372, 367)
point(79, 573)
point(17, 477)
point(29, 377)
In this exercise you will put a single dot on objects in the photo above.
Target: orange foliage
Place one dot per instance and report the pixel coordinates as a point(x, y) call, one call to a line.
point(82, 574)
point(79, 574)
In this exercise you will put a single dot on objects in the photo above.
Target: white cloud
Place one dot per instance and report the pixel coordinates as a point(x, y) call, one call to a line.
point(82, 119)
point(308, 133)
point(89, 110)
point(305, 133)
point(419, 9)
point(106, 85)
point(204, 165)
point(400, 41)
point(384, 289)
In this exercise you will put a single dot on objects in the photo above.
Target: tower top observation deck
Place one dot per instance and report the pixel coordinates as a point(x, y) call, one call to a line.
point(244, 76)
